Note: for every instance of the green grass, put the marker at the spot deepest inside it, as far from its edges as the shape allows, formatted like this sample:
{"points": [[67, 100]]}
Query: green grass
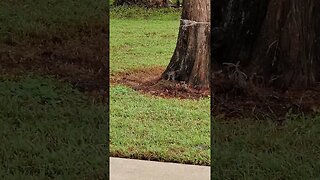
{"points": [[143, 126], [161, 129], [141, 43], [48, 130], [40, 19], [136, 43], [248, 149]]}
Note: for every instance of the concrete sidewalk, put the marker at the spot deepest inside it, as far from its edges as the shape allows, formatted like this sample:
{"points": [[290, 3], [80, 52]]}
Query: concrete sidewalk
{"points": [[129, 169]]}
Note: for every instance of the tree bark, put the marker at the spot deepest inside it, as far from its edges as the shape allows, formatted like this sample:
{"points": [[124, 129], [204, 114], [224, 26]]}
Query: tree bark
{"points": [[191, 59], [275, 40], [145, 3]]}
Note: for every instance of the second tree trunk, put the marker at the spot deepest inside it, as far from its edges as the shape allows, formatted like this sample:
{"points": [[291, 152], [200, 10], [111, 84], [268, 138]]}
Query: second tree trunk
{"points": [[275, 40]]}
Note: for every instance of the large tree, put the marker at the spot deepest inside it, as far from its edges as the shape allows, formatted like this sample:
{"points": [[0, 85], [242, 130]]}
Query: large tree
{"points": [[275, 41], [191, 59]]}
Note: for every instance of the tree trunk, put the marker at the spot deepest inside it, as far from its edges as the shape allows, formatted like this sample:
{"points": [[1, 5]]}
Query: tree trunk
{"points": [[276, 41], [145, 3], [191, 58]]}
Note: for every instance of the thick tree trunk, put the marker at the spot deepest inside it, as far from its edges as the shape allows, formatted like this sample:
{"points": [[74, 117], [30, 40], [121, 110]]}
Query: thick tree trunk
{"points": [[191, 58], [145, 3], [276, 41]]}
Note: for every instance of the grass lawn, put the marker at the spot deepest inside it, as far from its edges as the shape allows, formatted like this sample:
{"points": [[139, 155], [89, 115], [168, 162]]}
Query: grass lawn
{"points": [[252, 149], [141, 38], [36, 19], [48, 128], [143, 126]]}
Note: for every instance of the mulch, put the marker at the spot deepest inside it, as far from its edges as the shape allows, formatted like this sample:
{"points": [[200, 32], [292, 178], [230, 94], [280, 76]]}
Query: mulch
{"points": [[149, 81]]}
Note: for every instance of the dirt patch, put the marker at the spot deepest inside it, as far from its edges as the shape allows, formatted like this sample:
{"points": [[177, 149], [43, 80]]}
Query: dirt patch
{"points": [[232, 102], [81, 61], [149, 81]]}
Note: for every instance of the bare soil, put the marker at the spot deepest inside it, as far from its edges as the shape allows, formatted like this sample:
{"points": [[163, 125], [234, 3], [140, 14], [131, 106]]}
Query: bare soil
{"points": [[232, 102], [149, 81], [81, 61]]}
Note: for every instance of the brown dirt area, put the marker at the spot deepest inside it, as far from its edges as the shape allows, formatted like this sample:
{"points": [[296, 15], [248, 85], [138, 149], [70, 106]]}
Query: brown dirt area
{"points": [[149, 81], [232, 102], [81, 61]]}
